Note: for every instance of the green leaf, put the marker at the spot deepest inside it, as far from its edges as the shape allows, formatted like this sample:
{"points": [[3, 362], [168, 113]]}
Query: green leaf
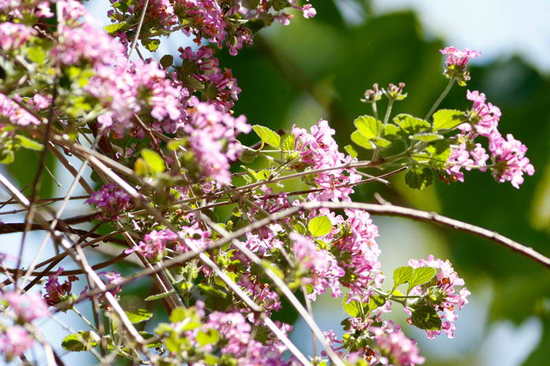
{"points": [[425, 317], [381, 142], [36, 54], [402, 275], [419, 178], [179, 314], [153, 160], [368, 126], [288, 142], [274, 268], [375, 301], [351, 151], [390, 130], [173, 145], [421, 276], [211, 336], [366, 143], [426, 136], [166, 61], [448, 119], [113, 28], [81, 341], [248, 156], [352, 308], [410, 124], [151, 44], [7, 157], [139, 315], [319, 226], [268, 136], [27, 143]]}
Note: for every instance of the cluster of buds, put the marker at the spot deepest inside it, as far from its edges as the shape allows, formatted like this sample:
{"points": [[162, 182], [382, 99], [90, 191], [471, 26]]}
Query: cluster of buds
{"points": [[372, 95], [392, 92], [395, 92]]}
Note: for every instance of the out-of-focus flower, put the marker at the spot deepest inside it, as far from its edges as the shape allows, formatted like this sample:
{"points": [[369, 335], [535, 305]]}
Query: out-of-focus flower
{"points": [[15, 341], [26, 306]]}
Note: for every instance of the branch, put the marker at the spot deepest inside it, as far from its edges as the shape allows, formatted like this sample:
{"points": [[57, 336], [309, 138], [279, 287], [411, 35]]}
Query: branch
{"points": [[392, 210]]}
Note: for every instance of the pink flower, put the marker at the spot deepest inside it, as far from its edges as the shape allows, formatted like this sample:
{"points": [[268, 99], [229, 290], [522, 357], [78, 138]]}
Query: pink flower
{"points": [[466, 157], [111, 199], [26, 306], [15, 114], [509, 158], [458, 57], [155, 243], [15, 341], [234, 328], [358, 254], [213, 139], [448, 296], [325, 272], [483, 116], [319, 150], [14, 35], [309, 11], [394, 345]]}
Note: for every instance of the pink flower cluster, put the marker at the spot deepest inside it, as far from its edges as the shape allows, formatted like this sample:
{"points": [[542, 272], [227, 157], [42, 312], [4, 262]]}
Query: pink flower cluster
{"points": [[156, 243], [325, 272], [319, 150], [507, 154], [218, 86], [359, 255], [394, 347], [14, 35], [111, 199], [212, 139], [240, 343], [509, 158], [450, 297], [16, 114], [358, 251]]}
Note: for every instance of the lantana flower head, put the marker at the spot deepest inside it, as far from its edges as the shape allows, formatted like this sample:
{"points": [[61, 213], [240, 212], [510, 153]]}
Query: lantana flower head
{"points": [[455, 63]]}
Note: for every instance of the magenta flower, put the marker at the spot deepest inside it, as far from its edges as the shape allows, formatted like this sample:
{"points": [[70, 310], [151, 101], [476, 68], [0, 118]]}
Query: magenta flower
{"points": [[155, 243], [57, 292], [234, 328], [458, 57], [509, 158], [111, 199]]}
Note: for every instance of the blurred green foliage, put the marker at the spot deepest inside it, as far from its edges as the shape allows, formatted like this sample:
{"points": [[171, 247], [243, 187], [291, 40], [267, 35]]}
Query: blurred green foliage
{"points": [[318, 69]]}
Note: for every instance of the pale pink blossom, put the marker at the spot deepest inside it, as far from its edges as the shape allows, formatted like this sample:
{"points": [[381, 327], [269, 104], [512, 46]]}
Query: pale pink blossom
{"points": [[458, 57]]}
